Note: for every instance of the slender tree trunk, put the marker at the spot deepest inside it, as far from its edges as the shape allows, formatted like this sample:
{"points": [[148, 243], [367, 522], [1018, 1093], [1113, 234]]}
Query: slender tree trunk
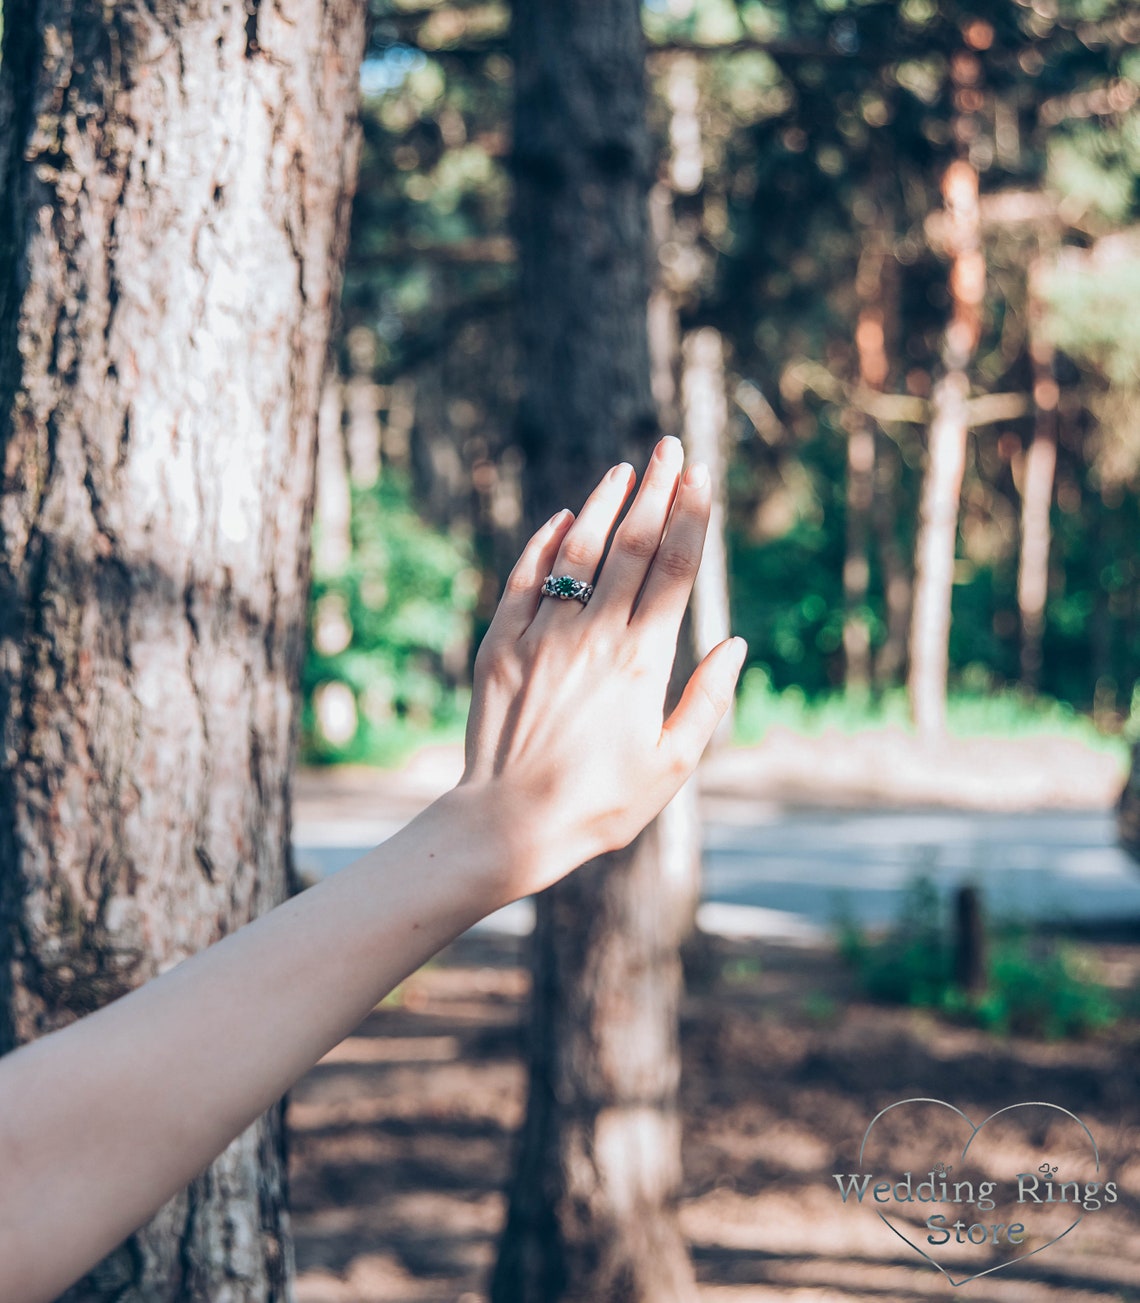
{"points": [[1128, 809], [890, 659], [365, 436], [870, 345], [687, 374], [856, 566], [175, 195], [662, 324], [1037, 495], [705, 409], [596, 1178], [678, 261], [946, 457], [333, 515]]}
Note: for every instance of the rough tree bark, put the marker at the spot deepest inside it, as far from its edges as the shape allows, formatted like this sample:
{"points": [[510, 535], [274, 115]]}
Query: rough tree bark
{"points": [[175, 194], [596, 1177]]}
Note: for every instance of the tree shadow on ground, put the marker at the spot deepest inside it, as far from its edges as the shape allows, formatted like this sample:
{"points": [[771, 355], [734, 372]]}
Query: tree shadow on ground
{"points": [[401, 1140]]}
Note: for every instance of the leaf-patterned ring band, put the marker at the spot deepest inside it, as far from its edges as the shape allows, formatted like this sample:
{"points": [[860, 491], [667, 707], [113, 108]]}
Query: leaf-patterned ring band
{"points": [[567, 588]]}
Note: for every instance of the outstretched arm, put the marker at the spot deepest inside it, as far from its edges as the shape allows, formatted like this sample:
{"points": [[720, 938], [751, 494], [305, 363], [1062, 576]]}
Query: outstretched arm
{"points": [[567, 756]]}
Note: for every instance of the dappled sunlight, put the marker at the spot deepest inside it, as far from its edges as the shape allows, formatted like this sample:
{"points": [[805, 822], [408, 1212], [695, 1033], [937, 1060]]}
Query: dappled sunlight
{"points": [[401, 1197]]}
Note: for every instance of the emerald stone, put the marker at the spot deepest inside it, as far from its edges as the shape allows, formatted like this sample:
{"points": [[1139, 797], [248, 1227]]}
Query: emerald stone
{"points": [[565, 586]]}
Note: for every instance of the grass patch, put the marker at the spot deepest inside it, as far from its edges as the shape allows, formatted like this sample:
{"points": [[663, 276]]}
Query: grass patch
{"points": [[970, 713], [1035, 985]]}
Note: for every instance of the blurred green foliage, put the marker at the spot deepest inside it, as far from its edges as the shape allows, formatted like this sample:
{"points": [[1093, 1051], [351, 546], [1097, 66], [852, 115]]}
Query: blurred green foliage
{"points": [[825, 127], [383, 629], [982, 712], [1035, 986]]}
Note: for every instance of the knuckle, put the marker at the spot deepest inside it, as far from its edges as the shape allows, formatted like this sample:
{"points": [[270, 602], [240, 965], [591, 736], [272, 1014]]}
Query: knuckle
{"points": [[487, 650], [640, 543], [579, 552], [506, 676], [519, 585], [495, 659], [677, 562]]}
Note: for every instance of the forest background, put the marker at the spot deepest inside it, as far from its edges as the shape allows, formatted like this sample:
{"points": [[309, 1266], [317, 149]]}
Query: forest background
{"points": [[811, 271], [891, 253]]}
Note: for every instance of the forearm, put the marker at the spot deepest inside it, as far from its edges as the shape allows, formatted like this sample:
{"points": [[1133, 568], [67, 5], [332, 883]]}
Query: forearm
{"points": [[102, 1122]]}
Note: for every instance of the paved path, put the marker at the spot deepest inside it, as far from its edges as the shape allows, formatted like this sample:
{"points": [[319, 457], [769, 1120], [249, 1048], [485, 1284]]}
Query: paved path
{"points": [[1047, 866], [784, 872]]}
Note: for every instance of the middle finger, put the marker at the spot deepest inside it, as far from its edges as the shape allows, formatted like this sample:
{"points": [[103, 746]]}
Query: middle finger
{"points": [[639, 535]]}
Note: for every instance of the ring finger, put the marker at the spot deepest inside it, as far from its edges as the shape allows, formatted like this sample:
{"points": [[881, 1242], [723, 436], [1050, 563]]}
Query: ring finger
{"points": [[580, 552]]}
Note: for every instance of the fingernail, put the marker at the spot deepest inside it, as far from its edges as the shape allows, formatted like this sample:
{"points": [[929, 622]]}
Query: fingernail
{"points": [[697, 476], [557, 518], [622, 471], [666, 445], [739, 649]]}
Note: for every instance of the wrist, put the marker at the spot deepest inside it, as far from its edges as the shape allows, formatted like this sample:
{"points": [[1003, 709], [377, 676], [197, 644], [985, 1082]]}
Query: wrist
{"points": [[511, 860]]}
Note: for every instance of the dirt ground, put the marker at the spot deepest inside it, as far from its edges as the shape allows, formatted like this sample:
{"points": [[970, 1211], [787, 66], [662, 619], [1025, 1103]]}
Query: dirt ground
{"points": [[401, 1138]]}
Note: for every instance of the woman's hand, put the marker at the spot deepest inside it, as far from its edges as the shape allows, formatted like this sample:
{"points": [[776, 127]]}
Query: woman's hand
{"points": [[567, 734], [567, 756]]}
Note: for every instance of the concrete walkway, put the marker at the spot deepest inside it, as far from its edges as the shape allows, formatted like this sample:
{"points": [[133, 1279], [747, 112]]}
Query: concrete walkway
{"points": [[777, 868]]}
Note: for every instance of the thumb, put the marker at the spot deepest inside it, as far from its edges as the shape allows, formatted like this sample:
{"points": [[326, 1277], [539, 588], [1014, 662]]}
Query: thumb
{"points": [[707, 695]]}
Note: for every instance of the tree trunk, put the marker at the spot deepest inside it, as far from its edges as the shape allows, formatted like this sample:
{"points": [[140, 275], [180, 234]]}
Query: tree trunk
{"points": [[332, 531], [856, 565], [596, 1178], [687, 375], [871, 348], [705, 410], [1037, 495], [946, 457], [176, 186], [890, 659], [1128, 808]]}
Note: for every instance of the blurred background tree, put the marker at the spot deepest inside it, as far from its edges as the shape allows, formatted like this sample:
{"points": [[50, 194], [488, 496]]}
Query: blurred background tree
{"points": [[893, 258], [812, 236], [884, 232]]}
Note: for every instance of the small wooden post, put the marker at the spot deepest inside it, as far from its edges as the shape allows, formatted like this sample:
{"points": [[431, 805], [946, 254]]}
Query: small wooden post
{"points": [[969, 941]]}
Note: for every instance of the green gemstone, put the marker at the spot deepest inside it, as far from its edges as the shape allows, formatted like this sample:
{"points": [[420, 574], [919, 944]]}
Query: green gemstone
{"points": [[564, 586]]}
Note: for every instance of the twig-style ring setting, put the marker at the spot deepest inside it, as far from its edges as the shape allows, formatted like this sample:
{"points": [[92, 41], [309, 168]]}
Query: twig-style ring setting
{"points": [[567, 588]]}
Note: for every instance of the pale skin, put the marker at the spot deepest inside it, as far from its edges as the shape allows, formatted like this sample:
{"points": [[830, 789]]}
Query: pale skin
{"points": [[568, 755]]}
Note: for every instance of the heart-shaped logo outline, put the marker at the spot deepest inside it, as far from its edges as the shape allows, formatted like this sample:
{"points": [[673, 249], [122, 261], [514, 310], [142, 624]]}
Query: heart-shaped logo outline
{"points": [[965, 1149]]}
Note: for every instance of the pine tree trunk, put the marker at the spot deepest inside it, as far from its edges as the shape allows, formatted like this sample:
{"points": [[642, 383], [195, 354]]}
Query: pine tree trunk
{"points": [[1128, 809], [934, 554], [890, 659], [1037, 496], [705, 409], [176, 184], [596, 1178], [870, 346], [859, 498], [946, 457], [687, 374]]}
